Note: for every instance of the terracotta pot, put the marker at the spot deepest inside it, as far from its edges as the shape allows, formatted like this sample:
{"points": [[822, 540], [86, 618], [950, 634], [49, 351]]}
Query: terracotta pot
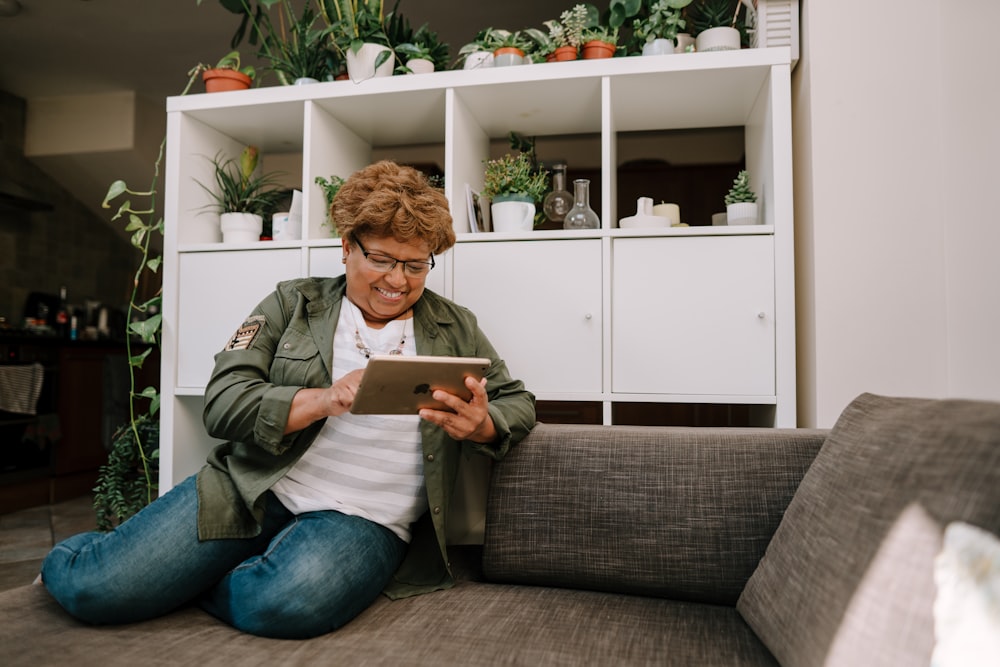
{"points": [[562, 53], [596, 49], [221, 80]]}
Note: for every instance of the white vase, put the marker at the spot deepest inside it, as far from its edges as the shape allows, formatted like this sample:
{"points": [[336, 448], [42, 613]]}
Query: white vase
{"points": [[718, 39], [513, 216], [241, 227], [304, 81], [684, 42], [361, 65], [420, 65], [658, 47], [742, 213]]}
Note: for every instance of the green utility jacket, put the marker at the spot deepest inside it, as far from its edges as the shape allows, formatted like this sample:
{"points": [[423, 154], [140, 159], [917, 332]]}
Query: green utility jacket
{"points": [[287, 344]]}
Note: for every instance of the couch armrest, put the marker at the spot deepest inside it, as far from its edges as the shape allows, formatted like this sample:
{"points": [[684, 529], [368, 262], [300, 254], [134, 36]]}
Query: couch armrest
{"points": [[682, 513]]}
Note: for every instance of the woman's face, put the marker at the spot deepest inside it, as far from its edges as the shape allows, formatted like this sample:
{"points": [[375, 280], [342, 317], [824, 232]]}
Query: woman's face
{"points": [[383, 296]]}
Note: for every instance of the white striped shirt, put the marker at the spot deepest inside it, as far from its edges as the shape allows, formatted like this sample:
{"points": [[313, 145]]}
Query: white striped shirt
{"points": [[362, 465]]}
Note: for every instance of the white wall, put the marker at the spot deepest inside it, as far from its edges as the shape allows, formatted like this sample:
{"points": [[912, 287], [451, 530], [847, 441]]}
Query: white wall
{"points": [[896, 149]]}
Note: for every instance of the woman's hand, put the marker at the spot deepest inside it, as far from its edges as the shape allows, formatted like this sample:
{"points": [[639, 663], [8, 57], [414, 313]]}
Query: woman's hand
{"points": [[470, 420], [310, 405]]}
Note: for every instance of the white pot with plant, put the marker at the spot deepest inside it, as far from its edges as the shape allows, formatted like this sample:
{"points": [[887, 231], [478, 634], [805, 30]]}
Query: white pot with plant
{"points": [[357, 30], [330, 187], [741, 202], [513, 185], [716, 24], [242, 198], [656, 33]]}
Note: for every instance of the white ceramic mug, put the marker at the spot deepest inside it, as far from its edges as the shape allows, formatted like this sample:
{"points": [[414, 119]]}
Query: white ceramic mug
{"points": [[513, 216]]}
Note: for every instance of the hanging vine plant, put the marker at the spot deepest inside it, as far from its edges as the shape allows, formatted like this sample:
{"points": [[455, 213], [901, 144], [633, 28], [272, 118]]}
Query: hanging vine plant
{"points": [[128, 481]]}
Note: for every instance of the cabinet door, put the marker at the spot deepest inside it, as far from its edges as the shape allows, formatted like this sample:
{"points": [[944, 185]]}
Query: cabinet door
{"points": [[693, 316], [539, 303], [220, 289]]}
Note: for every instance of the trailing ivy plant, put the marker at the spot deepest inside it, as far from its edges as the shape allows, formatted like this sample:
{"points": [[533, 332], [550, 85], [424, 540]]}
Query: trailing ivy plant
{"points": [[128, 482]]}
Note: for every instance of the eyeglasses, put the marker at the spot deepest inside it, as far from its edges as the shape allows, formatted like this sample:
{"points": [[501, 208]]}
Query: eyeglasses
{"points": [[384, 264]]}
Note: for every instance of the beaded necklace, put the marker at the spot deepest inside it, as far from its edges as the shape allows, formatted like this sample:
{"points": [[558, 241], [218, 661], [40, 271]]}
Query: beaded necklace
{"points": [[365, 349]]}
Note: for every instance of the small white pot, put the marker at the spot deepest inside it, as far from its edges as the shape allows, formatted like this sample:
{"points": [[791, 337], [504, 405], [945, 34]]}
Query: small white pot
{"points": [[420, 65], [743, 213], [718, 39], [361, 65], [507, 60], [478, 60], [513, 216], [241, 227], [658, 47]]}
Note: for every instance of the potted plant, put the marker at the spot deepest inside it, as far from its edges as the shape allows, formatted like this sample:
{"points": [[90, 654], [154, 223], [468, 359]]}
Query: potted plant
{"points": [[656, 32], [242, 198], [599, 42], [357, 30], [476, 53], [509, 47], [424, 52], [513, 185], [226, 75], [741, 202], [714, 24], [330, 187], [565, 34], [299, 53]]}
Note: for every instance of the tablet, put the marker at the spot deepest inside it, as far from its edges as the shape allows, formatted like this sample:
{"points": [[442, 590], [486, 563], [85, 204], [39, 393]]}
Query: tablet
{"points": [[402, 385]]}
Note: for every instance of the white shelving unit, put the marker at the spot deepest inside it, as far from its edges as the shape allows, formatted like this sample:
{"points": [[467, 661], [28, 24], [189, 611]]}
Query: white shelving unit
{"points": [[681, 315]]}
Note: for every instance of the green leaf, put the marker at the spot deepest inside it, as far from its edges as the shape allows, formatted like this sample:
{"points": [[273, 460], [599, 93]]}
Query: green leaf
{"points": [[116, 189], [147, 328], [154, 264], [138, 237], [136, 360], [135, 222]]}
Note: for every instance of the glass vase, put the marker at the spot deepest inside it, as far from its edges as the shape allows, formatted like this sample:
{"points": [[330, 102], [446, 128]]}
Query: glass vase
{"points": [[581, 216], [558, 202]]}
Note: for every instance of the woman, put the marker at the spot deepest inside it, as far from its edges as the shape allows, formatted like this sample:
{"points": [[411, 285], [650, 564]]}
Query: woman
{"points": [[307, 511]]}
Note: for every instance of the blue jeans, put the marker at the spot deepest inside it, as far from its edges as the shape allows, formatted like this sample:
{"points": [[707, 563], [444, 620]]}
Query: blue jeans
{"points": [[303, 576]]}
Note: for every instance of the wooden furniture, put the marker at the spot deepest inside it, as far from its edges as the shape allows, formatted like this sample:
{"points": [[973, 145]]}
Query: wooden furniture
{"points": [[55, 454], [608, 317]]}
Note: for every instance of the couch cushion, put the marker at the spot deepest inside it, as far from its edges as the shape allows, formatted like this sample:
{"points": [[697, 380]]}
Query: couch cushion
{"points": [[849, 577], [682, 513], [469, 625]]}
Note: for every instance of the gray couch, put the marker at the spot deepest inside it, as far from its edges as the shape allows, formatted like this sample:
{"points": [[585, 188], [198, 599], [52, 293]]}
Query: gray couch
{"points": [[648, 546]]}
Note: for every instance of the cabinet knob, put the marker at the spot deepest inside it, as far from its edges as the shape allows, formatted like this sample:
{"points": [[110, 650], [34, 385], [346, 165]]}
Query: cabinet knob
{"points": [[588, 316], [761, 315]]}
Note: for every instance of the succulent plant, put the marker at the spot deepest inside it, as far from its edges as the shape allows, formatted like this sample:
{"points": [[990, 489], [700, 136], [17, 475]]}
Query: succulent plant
{"points": [[741, 192]]}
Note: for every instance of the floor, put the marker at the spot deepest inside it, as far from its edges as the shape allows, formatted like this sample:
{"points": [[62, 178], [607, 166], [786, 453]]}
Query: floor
{"points": [[27, 535]]}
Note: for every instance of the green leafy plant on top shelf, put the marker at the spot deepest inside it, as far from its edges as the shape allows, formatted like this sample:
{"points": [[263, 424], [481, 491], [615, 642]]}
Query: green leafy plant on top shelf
{"points": [[425, 44], [296, 48], [237, 188], [740, 191], [499, 38], [229, 61], [356, 22], [663, 20], [600, 33], [128, 481], [704, 14]]}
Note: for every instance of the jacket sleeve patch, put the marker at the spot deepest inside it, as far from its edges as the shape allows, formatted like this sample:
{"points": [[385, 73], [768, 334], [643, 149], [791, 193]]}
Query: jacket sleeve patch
{"points": [[244, 337]]}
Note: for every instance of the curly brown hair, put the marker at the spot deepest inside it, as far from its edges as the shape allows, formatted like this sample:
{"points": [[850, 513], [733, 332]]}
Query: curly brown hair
{"points": [[388, 199]]}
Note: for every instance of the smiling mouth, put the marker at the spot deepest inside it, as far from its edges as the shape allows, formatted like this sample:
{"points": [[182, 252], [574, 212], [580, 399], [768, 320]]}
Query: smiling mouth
{"points": [[387, 294]]}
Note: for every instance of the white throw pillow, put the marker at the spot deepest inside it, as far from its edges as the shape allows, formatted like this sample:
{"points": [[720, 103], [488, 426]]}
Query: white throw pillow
{"points": [[967, 606]]}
